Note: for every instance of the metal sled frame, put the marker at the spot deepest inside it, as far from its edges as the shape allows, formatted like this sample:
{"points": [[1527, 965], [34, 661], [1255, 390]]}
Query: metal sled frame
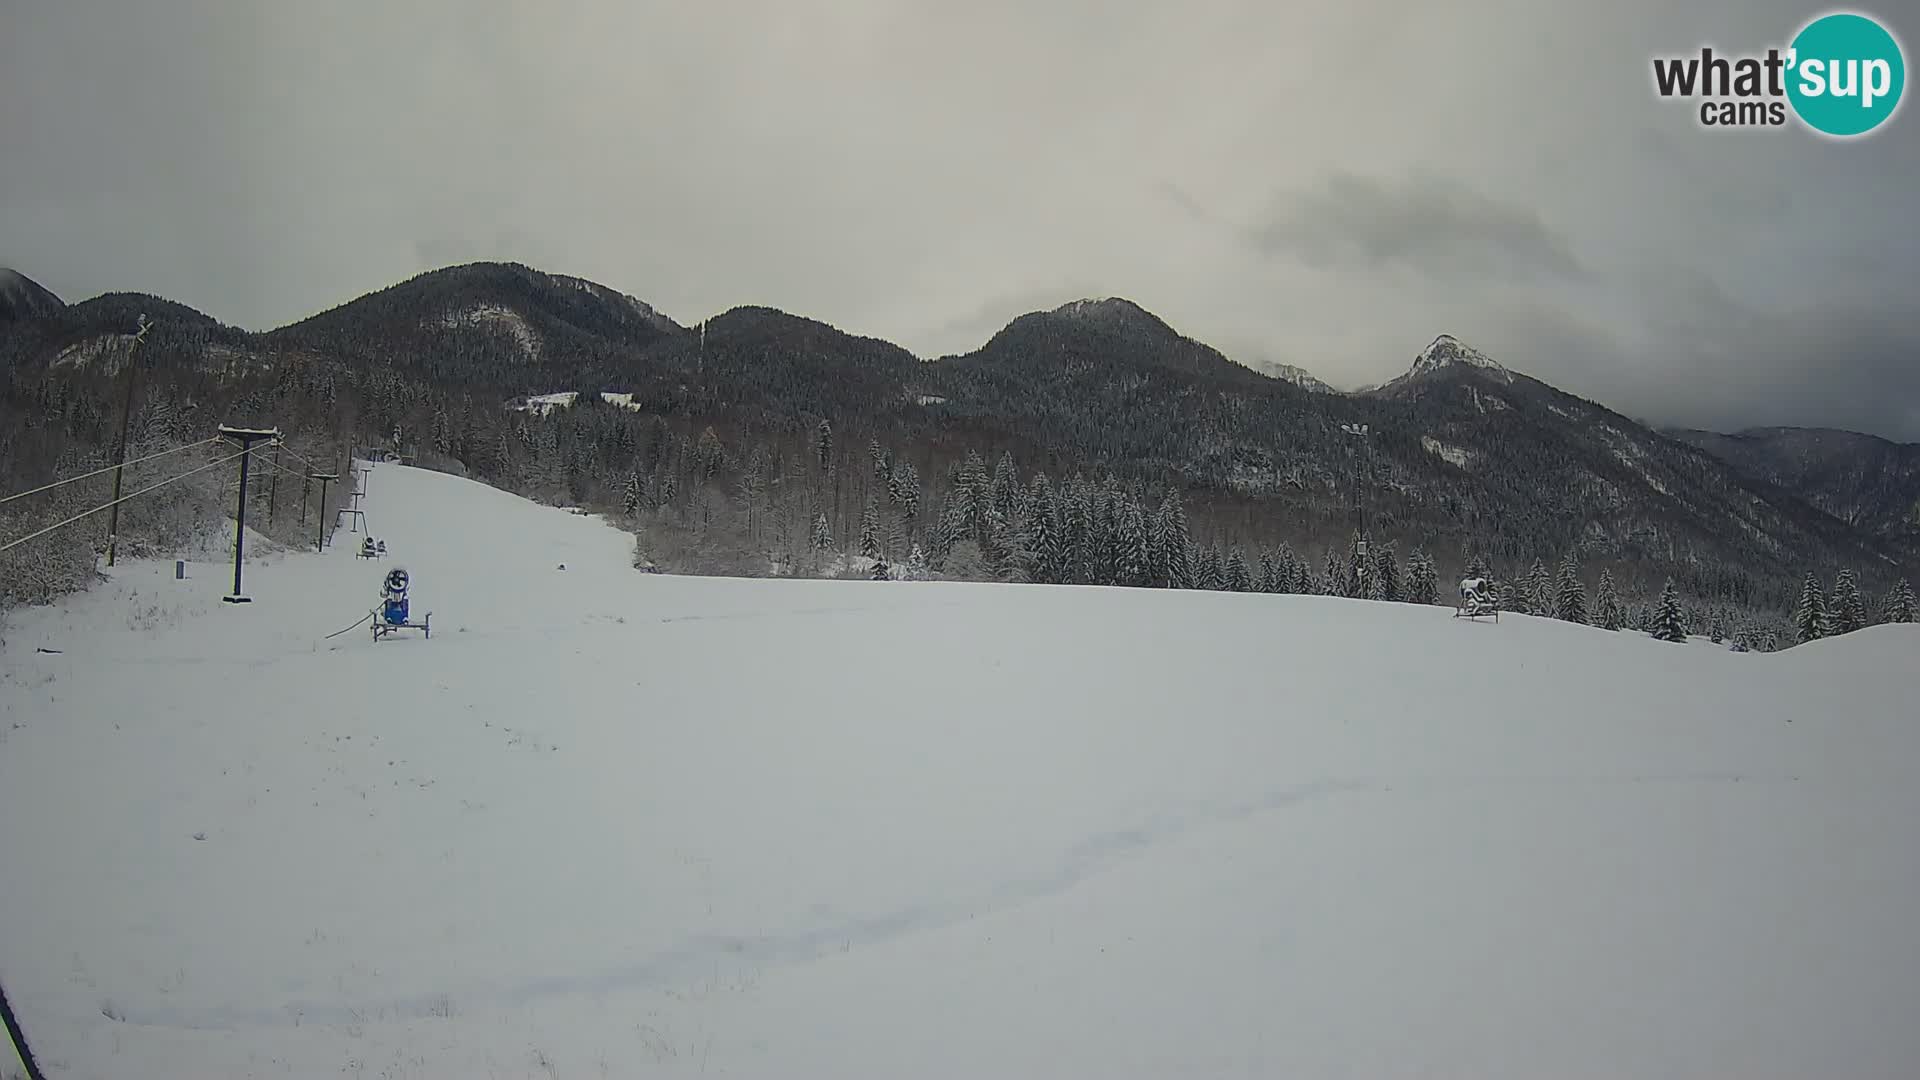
{"points": [[381, 628], [1463, 613]]}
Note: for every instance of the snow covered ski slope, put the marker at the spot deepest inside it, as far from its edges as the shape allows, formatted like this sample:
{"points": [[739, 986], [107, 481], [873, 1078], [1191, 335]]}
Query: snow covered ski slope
{"points": [[614, 824]]}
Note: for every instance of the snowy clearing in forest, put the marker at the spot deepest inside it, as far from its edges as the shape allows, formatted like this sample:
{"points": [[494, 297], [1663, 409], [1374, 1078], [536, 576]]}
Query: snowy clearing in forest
{"points": [[607, 823]]}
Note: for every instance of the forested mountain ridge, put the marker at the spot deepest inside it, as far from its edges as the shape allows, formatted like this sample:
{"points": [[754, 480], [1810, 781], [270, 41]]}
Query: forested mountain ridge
{"points": [[1466, 456], [491, 326], [21, 297], [1555, 464], [1866, 481]]}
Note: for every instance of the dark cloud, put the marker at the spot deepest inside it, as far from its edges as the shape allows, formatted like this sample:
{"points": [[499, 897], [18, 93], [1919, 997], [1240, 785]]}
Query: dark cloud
{"points": [[1428, 223], [1184, 202], [923, 171], [1830, 363], [1708, 360]]}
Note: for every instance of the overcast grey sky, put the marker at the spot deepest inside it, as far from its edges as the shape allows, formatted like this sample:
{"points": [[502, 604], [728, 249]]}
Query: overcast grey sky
{"points": [[1327, 183]]}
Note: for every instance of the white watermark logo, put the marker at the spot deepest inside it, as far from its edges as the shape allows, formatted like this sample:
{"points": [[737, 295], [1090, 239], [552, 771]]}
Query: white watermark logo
{"points": [[1840, 75]]}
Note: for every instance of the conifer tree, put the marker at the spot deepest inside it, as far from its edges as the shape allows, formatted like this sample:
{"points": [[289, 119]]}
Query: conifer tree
{"points": [[1536, 590], [1042, 533], [823, 445], [1076, 522], [1209, 570], [630, 496], [1423, 579], [1384, 582], [1477, 568], [1005, 556], [1507, 598], [1180, 566], [1668, 623], [1003, 491], [1607, 611], [916, 564], [1810, 618], [1106, 508], [822, 539], [1847, 612], [1269, 580], [870, 530], [1238, 579], [1170, 543], [1292, 572], [1334, 579], [903, 487], [1570, 605], [1899, 603], [881, 571], [1130, 542], [947, 531]]}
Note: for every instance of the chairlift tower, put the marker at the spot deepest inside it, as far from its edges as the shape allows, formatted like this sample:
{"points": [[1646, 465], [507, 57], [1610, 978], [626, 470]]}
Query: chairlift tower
{"points": [[321, 517], [246, 437], [356, 517], [1361, 432]]}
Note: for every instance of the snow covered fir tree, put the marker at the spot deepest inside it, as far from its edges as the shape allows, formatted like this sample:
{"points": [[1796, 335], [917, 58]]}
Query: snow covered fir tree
{"points": [[1668, 624]]}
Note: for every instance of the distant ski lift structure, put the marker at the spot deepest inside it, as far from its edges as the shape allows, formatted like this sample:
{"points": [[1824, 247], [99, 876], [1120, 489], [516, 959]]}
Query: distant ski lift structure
{"points": [[400, 455], [355, 517], [1360, 431]]}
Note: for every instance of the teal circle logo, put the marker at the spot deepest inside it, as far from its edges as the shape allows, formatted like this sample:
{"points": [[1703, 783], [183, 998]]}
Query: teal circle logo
{"points": [[1846, 74]]}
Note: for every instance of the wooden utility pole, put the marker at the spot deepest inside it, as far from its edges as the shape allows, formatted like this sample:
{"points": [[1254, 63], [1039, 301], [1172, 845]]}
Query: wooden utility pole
{"points": [[246, 437], [120, 453]]}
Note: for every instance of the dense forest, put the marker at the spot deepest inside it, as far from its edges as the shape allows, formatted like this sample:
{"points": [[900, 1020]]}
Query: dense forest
{"points": [[1088, 445]]}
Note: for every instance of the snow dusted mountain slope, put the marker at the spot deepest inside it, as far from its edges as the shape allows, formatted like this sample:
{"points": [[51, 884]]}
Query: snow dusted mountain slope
{"points": [[613, 824], [21, 297], [1298, 376], [1448, 353], [1862, 479]]}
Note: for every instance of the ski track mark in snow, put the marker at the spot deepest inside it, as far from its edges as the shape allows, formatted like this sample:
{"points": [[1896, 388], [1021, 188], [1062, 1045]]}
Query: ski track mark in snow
{"points": [[696, 955]]}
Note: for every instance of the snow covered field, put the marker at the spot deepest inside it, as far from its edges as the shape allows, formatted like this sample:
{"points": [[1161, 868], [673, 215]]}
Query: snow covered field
{"points": [[614, 824]]}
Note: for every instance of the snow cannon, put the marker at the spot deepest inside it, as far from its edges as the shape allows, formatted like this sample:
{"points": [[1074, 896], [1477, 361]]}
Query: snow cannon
{"points": [[1476, 599], [393, 596], [394, 607]]}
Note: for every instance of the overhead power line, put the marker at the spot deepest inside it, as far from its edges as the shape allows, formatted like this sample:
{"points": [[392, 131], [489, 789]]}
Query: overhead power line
{"points": [[295, 473], [107, 469], [288, 450], [11, 544]]}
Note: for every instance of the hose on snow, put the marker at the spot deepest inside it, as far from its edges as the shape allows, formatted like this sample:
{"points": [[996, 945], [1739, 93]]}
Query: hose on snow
{"points": [[363, 621]]}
